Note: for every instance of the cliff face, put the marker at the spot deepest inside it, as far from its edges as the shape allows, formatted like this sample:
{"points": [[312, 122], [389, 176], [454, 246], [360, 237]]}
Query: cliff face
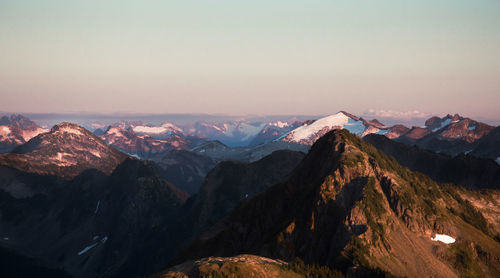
{"points": [[351, 207]]}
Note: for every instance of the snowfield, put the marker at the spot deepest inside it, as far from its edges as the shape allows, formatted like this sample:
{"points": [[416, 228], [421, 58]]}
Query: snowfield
{"points": [[443, 238], [84, 250], [339, 120]]}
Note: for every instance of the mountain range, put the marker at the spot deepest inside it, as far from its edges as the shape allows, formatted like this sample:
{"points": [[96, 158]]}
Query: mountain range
{"points": [[333, 197]]}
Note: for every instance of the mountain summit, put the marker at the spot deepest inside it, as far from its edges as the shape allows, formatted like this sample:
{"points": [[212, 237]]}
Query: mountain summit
{"points": [[351, 207], [65, 151], [309, 132]]}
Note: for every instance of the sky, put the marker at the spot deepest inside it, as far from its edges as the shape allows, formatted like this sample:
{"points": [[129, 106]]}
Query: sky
{"points": [[238, 57]]}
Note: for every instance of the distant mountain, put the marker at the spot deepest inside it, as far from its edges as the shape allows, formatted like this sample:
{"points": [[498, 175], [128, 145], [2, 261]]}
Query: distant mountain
{"points": [[489, 146], [163, 131], [353, 208], [185, 169], [65, 151], [273, 131], [16, 130], [145, 146], [452, 134], [308, 133], [232, 133], [220, 152], [93, 225], [466, 170]]}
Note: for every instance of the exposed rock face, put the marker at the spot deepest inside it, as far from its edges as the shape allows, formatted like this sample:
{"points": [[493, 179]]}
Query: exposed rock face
{"points": [[93, 225], [65, 151], [16, 130], [349, 206], [466, 170]]}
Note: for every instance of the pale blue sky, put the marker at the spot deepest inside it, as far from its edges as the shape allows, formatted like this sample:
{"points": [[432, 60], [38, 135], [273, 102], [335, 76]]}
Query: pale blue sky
{"points": [[250, 57]]}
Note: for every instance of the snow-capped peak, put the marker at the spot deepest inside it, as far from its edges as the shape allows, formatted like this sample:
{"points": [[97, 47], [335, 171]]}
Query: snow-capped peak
{"points": [[339, 120]]}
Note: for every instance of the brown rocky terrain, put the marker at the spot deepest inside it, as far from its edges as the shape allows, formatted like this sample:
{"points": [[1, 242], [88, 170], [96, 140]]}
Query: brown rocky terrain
{"points": [[351, 207]]}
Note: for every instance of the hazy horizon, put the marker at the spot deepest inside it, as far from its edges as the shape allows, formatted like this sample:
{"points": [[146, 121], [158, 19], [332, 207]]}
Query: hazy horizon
{"points": [[251, 58], [389, 118]]}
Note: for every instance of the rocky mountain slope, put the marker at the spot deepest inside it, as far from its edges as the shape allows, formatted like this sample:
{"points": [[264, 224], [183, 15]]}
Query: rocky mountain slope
{"points": [[489, 146], [65, 151], [93, 225], [466, 170], [185, 169], [230, 183], [16, 130], [353, 208]]}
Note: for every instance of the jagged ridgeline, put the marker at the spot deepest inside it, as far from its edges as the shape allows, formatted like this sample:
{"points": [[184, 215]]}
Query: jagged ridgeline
{"points": [[352, 208]]}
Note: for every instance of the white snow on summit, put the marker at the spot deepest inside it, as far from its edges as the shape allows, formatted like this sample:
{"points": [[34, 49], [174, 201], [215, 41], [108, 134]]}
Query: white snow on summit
{"points": [[339, 120]]}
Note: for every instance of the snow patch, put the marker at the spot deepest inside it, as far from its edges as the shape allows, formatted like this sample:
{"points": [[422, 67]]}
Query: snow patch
{"points": [[5, 238], [84, 250], [149, 129], [279, 124], [104, 239], [6, 130], [97, 154], [472, 127], [443, 124], [382, 131], [443, 238], [97, 207], [115, 131], [498, 160], [70, 130], [95, 237]]}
